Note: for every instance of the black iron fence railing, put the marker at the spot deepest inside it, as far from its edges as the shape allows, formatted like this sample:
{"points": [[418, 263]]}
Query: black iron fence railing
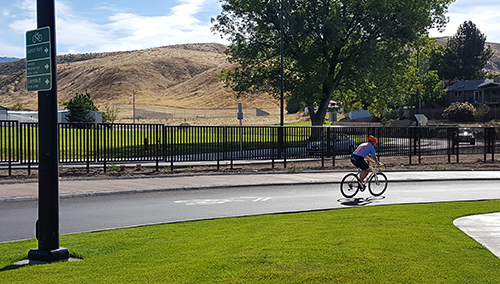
{"points": [[119, 143], [8, 142]]}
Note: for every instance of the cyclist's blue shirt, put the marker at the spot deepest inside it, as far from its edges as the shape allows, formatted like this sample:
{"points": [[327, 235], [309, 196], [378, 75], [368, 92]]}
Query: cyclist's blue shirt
{"points": [[365, 149]]}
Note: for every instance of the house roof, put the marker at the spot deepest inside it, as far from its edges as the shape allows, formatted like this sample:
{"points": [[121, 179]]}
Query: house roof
{"points": [[3, 108], [489, 84], [468, 85]]}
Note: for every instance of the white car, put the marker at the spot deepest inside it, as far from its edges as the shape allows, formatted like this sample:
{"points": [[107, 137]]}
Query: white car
{"points": [[466, 135], [341, 144]]}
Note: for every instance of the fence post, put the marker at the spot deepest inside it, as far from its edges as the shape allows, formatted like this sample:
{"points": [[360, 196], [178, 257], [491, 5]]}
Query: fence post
{"points": [[486, 142], [419, 130], [10, 136], [327, 150], [29, 150], [274, 151], [157, 145], [280, 141], [89, 131], [493, 142], [231, 155], [456, 143], [333, 150], [172, 149], [283, 136], [409, 132], [18, 141], [218, 145], [450, 143], [378, 145], [104, 148], [224, 142]]}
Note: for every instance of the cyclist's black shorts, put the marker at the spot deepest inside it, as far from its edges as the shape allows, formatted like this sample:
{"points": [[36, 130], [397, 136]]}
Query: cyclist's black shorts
{"points": [[359, 162]]}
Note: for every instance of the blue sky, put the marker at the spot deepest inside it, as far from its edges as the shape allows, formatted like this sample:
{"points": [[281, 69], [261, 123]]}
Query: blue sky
{"points": [[118, 25]]}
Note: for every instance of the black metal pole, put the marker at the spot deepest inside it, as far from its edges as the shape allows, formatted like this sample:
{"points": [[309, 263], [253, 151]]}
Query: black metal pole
{"points": [[48, 172], [282, 118]]}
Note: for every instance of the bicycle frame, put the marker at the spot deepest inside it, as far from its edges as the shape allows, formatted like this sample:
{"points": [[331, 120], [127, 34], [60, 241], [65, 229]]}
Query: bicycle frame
{"points": [[375, 181], [374, 170]]}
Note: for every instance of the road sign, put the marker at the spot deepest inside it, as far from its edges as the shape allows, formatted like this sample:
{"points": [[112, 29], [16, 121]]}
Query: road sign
{"points": [[38, 60]]}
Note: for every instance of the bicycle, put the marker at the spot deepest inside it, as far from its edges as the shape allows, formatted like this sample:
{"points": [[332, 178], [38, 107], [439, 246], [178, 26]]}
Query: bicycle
{"points": [[376, 180]]}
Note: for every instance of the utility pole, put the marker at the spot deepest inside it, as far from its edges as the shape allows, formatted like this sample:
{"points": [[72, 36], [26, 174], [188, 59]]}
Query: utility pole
{"points": [[47, 225], [133, 104]]}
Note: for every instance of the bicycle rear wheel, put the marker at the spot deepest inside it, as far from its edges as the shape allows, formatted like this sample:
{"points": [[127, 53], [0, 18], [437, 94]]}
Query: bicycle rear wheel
{"points": [[349, 185], [377, 184]]}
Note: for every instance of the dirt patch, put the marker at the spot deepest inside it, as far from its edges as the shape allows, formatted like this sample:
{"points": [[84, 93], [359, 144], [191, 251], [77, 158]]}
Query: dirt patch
{"points": [[466, 162]]}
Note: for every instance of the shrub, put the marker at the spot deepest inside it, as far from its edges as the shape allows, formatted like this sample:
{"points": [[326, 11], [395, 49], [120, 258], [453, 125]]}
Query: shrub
{"points": [[293, 105], [460, 112], [481, 112], [17, 106]]}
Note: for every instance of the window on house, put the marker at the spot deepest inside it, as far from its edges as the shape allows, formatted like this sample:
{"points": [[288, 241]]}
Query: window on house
{"points": [[478, 97], [458, 94]]}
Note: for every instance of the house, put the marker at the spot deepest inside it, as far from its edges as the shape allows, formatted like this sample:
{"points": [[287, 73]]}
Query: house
{"points": [[32, 116], [476, 92], [3, 113]]}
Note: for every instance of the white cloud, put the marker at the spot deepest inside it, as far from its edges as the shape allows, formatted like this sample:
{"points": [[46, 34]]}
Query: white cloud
{"points": [[24, 17], [129, 31], [485, 14], [103, 27]]}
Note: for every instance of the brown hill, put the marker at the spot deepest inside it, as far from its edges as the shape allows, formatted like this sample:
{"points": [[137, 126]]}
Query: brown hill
{"points": [[179, 76], [493, 65]]}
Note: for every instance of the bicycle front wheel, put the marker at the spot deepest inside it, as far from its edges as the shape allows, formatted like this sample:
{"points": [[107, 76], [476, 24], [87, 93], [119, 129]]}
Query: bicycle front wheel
{"points": [[349, 185], [377, 184]]}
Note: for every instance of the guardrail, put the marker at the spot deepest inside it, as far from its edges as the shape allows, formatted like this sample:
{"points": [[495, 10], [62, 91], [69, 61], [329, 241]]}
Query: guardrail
{"points": [[115, 143]]}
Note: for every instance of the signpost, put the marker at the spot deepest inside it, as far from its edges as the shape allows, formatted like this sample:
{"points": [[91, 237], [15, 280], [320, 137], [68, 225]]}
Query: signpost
{"points": [[38, 60], [41, 76]]}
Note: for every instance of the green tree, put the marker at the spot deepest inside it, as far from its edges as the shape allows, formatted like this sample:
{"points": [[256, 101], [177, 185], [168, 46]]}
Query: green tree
{"points": [[402, 79], [465, 55], [433, 92], [325, 42], [110, 114], [79, 108]]}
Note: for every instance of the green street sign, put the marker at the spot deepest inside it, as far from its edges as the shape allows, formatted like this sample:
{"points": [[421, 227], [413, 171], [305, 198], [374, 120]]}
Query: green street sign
{"points": [[38, 60], [38, 67]]}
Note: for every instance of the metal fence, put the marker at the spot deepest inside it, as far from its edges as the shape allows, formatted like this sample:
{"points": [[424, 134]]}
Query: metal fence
{"points": [[118, 143]]}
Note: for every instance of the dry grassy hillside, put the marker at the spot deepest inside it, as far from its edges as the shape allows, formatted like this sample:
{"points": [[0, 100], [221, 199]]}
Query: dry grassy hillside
{"points": [[180, 76], [493, 65], [176, 82]]}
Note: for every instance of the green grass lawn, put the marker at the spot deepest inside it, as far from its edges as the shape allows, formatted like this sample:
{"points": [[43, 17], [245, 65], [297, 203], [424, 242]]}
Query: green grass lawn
{"points": [[377, 244]]}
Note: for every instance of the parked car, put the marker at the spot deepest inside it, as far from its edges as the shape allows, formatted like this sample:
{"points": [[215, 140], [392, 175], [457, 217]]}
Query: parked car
{"points": [[466, 135], [340, 143]]}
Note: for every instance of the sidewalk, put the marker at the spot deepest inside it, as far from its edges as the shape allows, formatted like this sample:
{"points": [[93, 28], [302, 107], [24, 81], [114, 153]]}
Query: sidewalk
{"points": [[484, 228]]}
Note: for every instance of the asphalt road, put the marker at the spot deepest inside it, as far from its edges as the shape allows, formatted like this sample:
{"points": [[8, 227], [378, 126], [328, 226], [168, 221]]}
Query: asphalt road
{"points": [[94, 213]]}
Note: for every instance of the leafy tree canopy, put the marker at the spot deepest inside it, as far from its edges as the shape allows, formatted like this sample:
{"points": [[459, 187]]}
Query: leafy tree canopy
{"points": [[325, 42], [465, 55], [79, 108]]}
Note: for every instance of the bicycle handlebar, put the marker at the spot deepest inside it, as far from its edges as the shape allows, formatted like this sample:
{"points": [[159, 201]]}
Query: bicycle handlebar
{"points": [[382, 166]]}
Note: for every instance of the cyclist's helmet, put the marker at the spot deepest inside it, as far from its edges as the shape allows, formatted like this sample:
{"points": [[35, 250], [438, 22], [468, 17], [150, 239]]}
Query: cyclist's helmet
{"points": [[371, 138]]}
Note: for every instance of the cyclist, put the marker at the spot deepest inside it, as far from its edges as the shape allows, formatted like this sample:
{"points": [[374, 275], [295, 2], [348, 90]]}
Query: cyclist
{"points": [[365, 151]]}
